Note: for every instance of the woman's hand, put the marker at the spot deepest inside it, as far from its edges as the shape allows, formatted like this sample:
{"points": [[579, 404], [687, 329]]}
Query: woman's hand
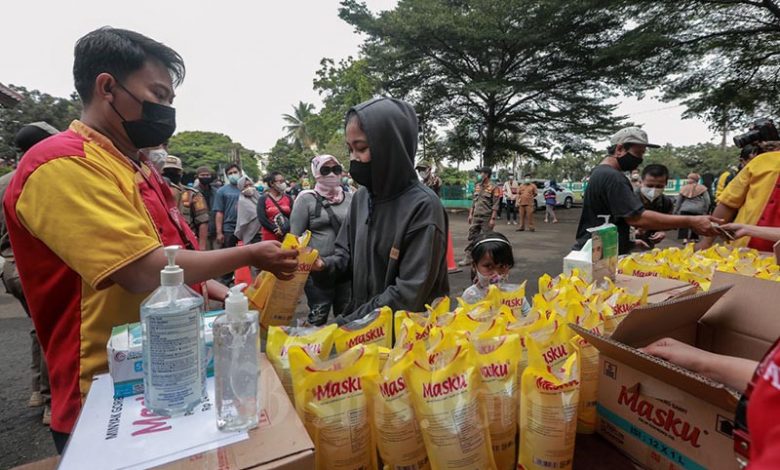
{"points": [[678, 353]]}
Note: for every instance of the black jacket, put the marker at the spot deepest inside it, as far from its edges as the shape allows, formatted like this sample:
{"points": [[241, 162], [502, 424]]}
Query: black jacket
{"points": [[394, 240]]}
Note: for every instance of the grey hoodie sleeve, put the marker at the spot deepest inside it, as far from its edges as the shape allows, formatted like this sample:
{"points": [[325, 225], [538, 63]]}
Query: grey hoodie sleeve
{"points": [[418, 272]]}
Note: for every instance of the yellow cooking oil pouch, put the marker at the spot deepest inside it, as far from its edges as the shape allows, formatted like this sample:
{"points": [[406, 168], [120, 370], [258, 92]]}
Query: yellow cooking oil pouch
{"points": [[509, 295], [623, 301], [276, 299], [419, 318], [452, 418], [498, 360], [589, 373], [411, 332], [318, 341], [397, 433], [376, 327], [330, 398], [548, 409]]}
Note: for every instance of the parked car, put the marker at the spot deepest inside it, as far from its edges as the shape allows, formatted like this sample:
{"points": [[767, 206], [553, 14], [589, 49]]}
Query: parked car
{"points": [[563, 197]]}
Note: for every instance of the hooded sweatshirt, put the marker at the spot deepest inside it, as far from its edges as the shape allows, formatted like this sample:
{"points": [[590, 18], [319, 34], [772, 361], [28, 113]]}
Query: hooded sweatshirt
{"points": [[394, 240]]}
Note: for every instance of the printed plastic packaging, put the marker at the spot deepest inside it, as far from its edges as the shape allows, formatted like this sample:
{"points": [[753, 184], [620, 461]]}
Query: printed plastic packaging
{"points": [[376, 327], [331, 401], [316, 340], [453, 421]]}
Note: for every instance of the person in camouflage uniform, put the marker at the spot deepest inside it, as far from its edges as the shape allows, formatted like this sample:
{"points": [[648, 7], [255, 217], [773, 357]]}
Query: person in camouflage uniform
{"points": [[484, 209], [191, 202]]}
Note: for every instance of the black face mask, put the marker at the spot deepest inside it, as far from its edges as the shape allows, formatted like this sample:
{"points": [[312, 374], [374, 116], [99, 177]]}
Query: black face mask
{"points": [[205, 181], [361, 173], [156, 126], [629, 162], [173, 176]]}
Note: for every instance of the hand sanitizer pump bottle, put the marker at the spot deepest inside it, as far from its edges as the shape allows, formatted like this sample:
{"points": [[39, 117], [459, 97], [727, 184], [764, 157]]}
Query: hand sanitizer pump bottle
{"points": [[173, 344], [236, 370]]}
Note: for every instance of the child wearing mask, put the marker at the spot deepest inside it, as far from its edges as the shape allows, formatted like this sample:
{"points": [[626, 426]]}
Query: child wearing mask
{"points": [[492, 258]]}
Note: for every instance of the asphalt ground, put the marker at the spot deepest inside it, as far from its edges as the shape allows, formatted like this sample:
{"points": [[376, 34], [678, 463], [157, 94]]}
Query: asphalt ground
{"points": [[24, 439]]}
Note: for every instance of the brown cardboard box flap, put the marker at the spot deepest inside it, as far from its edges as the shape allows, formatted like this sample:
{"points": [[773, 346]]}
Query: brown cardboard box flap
{"points": [[745, 322], [651, 322], [279, 442], [690, 382]]}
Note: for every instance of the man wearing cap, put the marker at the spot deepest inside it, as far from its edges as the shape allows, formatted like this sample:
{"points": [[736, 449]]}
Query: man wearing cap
{"points": [[610, 193], [483, 212], [191, 203], [425, 172]]}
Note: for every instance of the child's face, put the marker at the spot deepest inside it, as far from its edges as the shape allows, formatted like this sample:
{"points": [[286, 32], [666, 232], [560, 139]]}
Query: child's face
{"points": [[487, 267], [357, 142]]}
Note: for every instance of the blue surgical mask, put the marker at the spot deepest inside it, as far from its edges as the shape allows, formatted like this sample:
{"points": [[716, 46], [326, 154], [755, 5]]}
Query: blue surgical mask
{"points": [[234, 179]]}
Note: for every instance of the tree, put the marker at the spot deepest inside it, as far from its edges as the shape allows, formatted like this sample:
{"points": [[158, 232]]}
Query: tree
{"points": [[212, 149], [288, 159], [297, 126], [569, 166], [36, 106], [341, 86], [722, 57], [514, 76], [699, 158]]}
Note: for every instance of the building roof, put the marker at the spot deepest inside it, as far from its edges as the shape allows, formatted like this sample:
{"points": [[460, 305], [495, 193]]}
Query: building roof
{"points": [[8, 97]]}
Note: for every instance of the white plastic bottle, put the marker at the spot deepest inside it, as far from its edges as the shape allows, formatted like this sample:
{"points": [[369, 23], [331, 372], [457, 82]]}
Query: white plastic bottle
{"points": [[236, 372], [174, 345]]}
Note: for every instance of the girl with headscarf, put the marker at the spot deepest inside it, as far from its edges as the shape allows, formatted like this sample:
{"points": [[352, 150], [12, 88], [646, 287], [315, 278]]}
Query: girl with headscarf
{"points": [[323, 211], [692, 200], [247, 225]]}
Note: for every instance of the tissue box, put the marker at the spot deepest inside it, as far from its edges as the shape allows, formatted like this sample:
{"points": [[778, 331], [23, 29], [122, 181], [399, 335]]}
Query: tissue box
{"points": [[126, 361], [598, 259]]}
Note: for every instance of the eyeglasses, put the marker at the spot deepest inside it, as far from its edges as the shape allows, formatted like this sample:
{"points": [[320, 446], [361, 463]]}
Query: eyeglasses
{"points": [[336, 170]]}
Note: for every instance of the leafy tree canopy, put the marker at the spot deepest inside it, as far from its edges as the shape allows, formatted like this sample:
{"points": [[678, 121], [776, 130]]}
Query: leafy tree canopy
{"points": [[721, 57], [36, 106], [511, 76], [212, 149]]}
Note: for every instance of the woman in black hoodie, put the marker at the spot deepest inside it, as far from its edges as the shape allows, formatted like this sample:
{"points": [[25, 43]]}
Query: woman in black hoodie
{"points": [[394, 241]]}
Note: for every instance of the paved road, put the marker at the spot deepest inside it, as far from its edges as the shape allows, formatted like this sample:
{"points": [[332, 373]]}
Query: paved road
{"points": [[23, 438]]}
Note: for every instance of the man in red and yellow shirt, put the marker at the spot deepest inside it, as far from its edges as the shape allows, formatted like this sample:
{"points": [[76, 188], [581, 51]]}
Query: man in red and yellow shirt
{"points": [[88, 214], [752, 198]]}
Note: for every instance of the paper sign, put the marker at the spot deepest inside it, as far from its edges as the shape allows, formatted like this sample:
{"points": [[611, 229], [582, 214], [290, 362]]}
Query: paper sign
{"points": [[122, 434]]}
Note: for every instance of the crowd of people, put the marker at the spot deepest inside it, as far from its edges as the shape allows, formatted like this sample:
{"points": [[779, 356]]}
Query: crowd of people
{"points": [[86, 263]]}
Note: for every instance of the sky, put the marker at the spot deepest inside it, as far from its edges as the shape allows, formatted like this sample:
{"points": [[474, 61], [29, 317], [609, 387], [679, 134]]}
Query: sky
{"points": [[248, 62]]}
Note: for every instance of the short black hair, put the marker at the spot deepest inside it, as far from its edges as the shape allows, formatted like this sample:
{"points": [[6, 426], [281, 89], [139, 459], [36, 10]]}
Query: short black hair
{"points": [[119, 52], [500, 251], [612, 148], [655, 170], [527, 174], [270, 177], [231, 166], [747, 152]]}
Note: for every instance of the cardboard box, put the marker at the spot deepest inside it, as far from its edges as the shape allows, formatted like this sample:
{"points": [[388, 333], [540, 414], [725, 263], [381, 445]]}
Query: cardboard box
{"points": [[125, 355], [280, 441], [664, 416], [658, 289]]}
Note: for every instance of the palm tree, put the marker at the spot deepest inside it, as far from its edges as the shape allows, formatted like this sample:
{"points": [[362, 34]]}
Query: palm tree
{"points": [[297, 133]]}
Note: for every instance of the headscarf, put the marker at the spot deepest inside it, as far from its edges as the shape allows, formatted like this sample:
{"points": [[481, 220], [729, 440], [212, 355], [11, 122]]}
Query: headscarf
{"points": [[247, 224], [328, 186], [694, 189]]}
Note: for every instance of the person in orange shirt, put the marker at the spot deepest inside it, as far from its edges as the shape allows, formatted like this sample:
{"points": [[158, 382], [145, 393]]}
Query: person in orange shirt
{"points": [[90, 248], [525, 199]]}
